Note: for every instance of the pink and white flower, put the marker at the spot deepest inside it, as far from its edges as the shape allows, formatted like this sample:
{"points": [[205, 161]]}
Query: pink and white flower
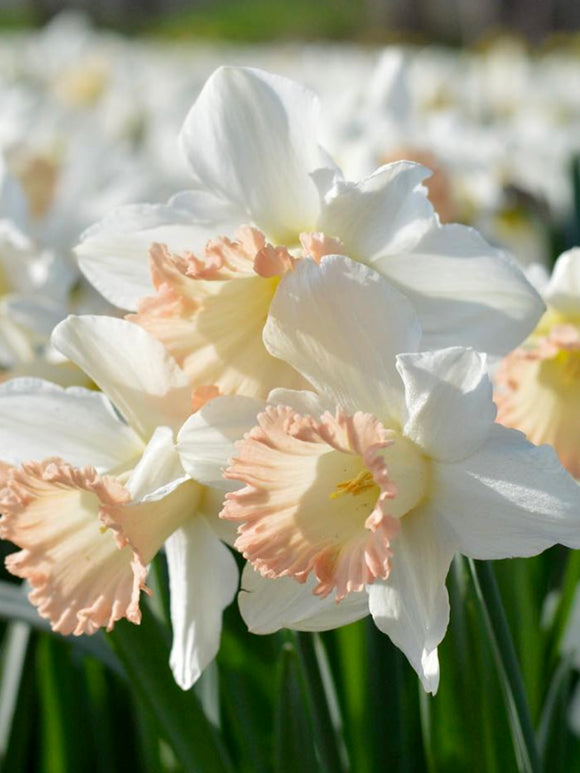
{"points": [[106, 493], [250, 141], [357, 495]]}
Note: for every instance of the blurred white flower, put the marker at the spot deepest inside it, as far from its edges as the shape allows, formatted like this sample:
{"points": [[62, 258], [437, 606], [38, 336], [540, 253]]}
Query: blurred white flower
{"points": [[538, 385]]}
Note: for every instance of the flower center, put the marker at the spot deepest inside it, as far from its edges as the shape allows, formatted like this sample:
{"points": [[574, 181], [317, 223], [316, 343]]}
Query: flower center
{"points": [[361, 482], [538, 387], [38, 176], [323, 496]]}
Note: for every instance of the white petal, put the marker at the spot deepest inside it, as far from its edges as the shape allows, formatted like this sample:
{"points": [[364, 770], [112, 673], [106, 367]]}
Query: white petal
{"points": [[203, 579], [159, 470], [206, 442], [384, 214], [340, 324], [132, 368], [114, 253], [563, 290], [449, 401], [304, 402], [268, 605], [250, 137], [412, 606], [40, 419], [509, 499], [464, 291]]}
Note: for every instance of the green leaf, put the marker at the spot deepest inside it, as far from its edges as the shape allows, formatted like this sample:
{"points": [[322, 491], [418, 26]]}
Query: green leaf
{"points": [[15, 647], [15, 606], [352, 665], [294, 750], [553, 729], [565, 602], [394, 715], [144, 652], [65, 741], [328, 738], [507, 663], [22, 749]]}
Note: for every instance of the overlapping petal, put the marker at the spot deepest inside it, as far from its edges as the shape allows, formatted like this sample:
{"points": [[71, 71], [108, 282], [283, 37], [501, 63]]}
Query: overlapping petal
{"points": [[206, 442], [464, 291], [251, 137], [384, 214], [341, 325], [448, 395], [131, 367], [268, 605], [40, 419], [113, 253]]}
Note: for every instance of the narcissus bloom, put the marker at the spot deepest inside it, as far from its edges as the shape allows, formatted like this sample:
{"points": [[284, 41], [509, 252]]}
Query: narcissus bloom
{"points": [[358, 495], [266, 195], [105, 493], [538, 385]]}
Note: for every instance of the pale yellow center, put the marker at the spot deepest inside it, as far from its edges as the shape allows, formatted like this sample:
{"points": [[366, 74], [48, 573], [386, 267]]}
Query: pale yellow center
{"points": [[84, 84], [407, 469], [38, 175], [4, 283], [563, 368], [551, 318], [569, 365]]}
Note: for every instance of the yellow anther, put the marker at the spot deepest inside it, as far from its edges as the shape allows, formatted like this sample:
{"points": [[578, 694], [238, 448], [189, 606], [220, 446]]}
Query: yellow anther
{"points": [[363, 481]]}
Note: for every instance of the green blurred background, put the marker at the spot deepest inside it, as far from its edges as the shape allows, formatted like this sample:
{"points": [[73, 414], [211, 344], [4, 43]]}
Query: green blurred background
{"points": [[456, 22]]}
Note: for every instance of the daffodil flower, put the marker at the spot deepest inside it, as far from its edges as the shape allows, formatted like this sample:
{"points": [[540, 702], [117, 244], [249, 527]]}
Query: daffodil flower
{"points": [[538, 384], [266, 196], [358, 494], [103, 493]]}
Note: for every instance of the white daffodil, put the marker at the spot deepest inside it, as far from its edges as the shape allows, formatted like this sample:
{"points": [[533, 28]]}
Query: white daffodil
{"points": [[538, 384], [267, 195], [33, 285], [365, 489], [104, 494]]}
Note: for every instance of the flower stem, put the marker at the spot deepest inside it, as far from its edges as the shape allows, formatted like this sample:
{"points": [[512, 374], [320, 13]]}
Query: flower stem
{"points": [[327, 742], [507, 663]]}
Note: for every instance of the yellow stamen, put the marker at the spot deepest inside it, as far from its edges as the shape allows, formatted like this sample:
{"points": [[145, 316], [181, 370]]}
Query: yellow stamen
{"points": [[569, 362], [363, 481]]}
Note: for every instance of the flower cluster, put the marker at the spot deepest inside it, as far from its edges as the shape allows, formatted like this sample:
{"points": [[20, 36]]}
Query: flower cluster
{"points": [[301, 375]]}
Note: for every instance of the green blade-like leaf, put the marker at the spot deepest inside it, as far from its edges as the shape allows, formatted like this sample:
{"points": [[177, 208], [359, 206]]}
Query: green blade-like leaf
{"points": [[15, 606], [66, 741], [294, 749], [328, 737], [553, 729], [22, 748], [144, 652], [15, 646], [508, 666]]}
